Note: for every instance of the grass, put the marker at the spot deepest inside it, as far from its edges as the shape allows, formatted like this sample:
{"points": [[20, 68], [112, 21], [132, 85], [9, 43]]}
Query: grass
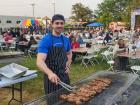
{"points": [[34, 88]]}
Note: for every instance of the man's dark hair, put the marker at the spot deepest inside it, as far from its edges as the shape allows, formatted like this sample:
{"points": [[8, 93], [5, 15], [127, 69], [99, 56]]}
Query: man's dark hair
{"points": [[58, 17]]}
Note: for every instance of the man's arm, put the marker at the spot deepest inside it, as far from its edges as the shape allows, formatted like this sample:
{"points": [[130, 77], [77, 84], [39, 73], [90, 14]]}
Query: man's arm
{"points": [[68, 64], [69, 55], [43, 67]]}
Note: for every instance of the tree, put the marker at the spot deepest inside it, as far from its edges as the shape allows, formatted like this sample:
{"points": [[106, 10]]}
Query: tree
{"points": [[116, 10], [134, 4], [80, 13]]}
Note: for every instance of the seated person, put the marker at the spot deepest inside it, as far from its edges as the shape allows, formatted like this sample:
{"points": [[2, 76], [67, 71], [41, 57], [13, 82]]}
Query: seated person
{"points": [[23, 43], [107, 38], [121, 63], [8, 38], [32, 42], [80, 40], [74, 43]]}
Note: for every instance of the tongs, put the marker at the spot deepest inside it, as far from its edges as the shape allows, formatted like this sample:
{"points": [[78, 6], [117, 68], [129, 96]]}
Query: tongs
{"points": [[67, 87]]}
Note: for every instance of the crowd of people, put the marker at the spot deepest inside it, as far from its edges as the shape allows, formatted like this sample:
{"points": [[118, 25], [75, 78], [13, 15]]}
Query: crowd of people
{"points": [[24, 38]]}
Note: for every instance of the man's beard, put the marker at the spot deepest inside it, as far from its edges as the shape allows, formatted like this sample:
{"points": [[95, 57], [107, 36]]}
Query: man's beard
{"points": [[59, 30]]}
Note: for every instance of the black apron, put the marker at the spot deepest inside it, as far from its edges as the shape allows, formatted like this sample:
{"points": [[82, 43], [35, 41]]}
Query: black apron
{"points": [[121, 63], [56, 61]]}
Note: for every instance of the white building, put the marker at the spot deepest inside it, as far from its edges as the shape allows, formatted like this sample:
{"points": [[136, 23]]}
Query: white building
{"points": [[12, 21]]}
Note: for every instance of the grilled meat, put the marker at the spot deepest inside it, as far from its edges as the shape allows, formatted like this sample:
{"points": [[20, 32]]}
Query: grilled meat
{"points": [[87, 91]]}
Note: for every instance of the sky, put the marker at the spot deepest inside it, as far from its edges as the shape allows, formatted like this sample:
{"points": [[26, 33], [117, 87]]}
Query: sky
{"points": [[42, 7]]}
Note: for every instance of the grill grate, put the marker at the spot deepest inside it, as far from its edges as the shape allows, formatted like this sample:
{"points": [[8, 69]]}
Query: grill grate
{"points": [[120, 83]]}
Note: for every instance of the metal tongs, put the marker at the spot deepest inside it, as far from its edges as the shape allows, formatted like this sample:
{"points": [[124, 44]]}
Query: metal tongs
{"points": [[67, 87]]}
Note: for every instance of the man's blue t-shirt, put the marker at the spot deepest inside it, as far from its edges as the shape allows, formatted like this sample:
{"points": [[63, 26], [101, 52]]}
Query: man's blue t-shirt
{"points": [[46, 43]]}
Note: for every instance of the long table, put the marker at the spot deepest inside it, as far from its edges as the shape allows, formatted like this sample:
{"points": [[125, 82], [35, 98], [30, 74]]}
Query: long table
{"points": [[80, 50], [84, 49], [5, 82], [10, 53], [130, 54]]}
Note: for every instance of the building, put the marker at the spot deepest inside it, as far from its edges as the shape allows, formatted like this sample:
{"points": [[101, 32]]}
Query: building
{"points": [[12, 21], [135, 19]]}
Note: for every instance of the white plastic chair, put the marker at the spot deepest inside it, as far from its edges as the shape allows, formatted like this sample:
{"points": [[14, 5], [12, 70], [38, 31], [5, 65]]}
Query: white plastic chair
{"points": [[94, 47], [32, 50], [12, 46], [100, 42], [89, 58], [136, 70], [111, 63], [82, 45], [1, 45], [106, 55]]}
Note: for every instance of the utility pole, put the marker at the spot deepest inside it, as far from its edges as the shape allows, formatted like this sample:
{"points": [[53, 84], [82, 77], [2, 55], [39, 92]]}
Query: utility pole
{"points": [[53, 7], [33, 9]]}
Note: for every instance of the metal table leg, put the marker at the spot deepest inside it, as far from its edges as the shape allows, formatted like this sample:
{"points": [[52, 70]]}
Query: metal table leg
{"points": [[13, 94]]}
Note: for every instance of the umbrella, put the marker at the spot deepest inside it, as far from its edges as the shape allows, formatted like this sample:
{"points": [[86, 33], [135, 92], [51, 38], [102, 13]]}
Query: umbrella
{"points": [[27, 22], [30, 22], [96, 24]]}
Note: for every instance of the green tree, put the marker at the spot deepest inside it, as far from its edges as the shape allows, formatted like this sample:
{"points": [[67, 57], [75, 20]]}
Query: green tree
{"points": [[116, 10], [81, 13], [134, 4]]}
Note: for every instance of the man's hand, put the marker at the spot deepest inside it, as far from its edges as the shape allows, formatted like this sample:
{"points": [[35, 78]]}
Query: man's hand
{"points": [[53, 78], [67, 70]]}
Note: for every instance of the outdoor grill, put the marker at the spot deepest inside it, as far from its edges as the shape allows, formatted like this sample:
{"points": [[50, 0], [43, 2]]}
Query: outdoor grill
{"points": [[121, 82]]}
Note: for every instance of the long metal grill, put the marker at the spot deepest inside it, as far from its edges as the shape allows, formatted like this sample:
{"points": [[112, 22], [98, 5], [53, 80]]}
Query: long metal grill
{"points": [[120, 83]]}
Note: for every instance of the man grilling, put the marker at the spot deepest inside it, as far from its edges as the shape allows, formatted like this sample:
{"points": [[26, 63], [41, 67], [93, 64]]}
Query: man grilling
{"points": [[54, 56]]}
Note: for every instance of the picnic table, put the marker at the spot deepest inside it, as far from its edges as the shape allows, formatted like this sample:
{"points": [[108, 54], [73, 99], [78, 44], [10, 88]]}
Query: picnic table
{"points": [[102, 46], [85, 49], [80, 50], [10, 53], [130, 54], [5, 82]]}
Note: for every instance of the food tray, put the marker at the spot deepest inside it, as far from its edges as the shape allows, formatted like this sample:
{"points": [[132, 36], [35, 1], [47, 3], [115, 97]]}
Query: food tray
{"points": [[13, 71]]}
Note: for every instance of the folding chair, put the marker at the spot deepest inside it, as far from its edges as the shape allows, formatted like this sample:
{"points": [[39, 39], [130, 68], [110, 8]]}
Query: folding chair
{"points": [[2, 46], [106, 55], [94, 47], [89, 58], [111, 62], [12, 46], [136, 70], [100, 42], [82, 45], [32, 50]]}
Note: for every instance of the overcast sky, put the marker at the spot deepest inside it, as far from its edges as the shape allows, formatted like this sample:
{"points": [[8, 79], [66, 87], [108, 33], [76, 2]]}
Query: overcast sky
{"points": [[43, 7]]}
